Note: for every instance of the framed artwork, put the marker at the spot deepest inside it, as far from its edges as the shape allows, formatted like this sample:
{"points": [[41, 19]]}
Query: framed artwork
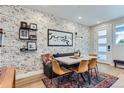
{"points": [[23, 34], [59, 38], [1, 37], [33, 26], [32, 35], [31, 45], [24, 25]]}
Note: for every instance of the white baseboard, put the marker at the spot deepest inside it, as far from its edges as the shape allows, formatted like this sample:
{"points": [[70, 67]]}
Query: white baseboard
{"points": [[20, 76]]}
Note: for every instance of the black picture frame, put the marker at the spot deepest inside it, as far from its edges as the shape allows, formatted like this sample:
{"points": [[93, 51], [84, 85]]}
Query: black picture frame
{"points": [[31, 46], [23, 25], [33, 26], [1, 37], [60, 32], [32, 35], [23, 34]]}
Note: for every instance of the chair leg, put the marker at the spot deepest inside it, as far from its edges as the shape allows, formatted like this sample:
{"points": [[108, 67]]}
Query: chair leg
{"points": [[78, 77], [59, 80], [69, 75], [89, 77], [91, 73], [96, 73], [83, 77], [78, 80]]}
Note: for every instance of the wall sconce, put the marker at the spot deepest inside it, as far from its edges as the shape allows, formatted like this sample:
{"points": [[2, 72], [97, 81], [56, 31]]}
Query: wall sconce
{"points": [[76, 37], [1, 37]]}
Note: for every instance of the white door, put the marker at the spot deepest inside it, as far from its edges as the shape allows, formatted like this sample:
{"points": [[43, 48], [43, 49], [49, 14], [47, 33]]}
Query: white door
{"points": [[104, 45]]}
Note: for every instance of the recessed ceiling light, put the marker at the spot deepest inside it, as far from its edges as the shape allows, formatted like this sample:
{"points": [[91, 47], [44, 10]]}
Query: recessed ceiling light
{"points": [[98, 22], [80, 17]]}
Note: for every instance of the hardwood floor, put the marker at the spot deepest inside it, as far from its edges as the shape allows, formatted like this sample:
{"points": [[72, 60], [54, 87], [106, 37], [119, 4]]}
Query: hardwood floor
{"points": [[31, 82], [110, 69], [36, 82]]}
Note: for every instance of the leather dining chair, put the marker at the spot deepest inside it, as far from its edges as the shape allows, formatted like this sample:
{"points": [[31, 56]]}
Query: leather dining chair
{"points": [[81, 69], [93, 65], [60, 71]]}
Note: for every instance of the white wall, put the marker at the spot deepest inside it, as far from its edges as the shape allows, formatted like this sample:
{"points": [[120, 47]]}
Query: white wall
{"points": [[116, 50]]}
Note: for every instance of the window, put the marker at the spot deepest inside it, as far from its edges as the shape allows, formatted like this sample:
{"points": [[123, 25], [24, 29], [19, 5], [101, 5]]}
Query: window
{"points": [[102, 49], [102, 41], [102, 56], [119, 34], [102, 45], [102, 33]]}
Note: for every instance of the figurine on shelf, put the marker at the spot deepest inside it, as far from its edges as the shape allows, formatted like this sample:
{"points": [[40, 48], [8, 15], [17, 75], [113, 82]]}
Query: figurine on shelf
{"points": [[23, 25], [23, 49], [77, 54]]}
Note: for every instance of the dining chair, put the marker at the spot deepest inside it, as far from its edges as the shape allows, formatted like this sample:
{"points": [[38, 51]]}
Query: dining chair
{"points": [[60, 71], [93, 65], [95, 55], [81, 69]]}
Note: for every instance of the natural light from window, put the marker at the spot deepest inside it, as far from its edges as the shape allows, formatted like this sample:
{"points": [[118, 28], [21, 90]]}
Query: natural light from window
{"points": [[119, 34]]}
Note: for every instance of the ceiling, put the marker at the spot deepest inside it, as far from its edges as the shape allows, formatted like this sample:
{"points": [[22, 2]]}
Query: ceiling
{"points": [[85, 14]]}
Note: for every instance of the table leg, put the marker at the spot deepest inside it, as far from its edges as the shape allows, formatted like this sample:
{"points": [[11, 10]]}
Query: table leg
{"points": [[115, 64]]}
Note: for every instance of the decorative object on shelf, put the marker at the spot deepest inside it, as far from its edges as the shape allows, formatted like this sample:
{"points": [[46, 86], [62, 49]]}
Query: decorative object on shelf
{"points": [[24, 25], [24, 34], [23, 49], [28, 32], [59, 38], [1, 37], [31, 45], [77, 53], [33, 26], [32, 35]]}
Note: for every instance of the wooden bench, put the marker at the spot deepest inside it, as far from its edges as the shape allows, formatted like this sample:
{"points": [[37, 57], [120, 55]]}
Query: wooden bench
{"points": [[121, 62], [7, 77]]}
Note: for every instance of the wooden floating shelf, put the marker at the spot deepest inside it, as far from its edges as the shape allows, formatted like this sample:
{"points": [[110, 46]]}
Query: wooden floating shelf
{"points": [[28, 39], [29, 29]]}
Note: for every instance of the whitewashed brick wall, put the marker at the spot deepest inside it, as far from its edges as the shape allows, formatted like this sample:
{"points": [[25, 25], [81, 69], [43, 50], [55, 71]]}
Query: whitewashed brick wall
{"points": [[10, 17]]}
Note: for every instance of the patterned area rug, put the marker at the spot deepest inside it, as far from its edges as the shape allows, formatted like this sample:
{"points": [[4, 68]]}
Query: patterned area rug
{"points": [[103, 81]]}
